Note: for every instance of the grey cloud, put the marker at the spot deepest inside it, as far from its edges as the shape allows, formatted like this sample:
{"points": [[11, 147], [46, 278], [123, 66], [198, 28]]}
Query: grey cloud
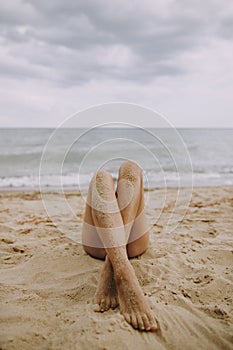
{"points": [[17, 12], [226, 27], [38, 30]]}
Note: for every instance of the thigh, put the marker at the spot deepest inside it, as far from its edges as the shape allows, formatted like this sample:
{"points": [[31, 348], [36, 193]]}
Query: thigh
{"points": [[92, 244], [139, 236]]}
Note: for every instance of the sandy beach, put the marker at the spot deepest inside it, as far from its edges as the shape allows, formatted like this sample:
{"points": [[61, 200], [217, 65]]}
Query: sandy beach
{"points": [[48, 281]]}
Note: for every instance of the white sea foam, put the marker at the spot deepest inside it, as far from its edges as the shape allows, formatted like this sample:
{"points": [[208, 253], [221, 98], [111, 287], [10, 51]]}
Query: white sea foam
{"points": [[82, 182]]}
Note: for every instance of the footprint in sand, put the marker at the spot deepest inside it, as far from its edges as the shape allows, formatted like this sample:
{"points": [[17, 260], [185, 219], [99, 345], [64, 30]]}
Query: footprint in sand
{"points": [[11, 253]]}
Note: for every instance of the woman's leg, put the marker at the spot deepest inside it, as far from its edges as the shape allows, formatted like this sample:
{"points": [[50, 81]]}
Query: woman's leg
{"points": [[106, 293], [92, 244], [130, 197], [129, 179], [110, 227]]}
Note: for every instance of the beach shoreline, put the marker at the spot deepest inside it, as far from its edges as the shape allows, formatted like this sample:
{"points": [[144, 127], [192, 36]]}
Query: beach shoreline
{"points": [[48, 281], [57, 189]]}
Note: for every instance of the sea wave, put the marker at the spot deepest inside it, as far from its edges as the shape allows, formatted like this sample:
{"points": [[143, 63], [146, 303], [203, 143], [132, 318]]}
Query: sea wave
{"points": [[22, 156], [81, 181]]}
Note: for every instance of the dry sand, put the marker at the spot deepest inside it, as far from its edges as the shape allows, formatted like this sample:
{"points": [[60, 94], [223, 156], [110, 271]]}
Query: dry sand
{"points": [[47, 281]]}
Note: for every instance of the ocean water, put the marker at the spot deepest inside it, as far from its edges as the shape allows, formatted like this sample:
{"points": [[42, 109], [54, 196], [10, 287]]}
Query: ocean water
{"points": [[69, 157]]}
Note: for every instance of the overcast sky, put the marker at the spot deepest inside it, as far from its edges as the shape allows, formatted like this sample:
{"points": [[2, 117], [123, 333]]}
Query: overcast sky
{"points": [[60, 56]]}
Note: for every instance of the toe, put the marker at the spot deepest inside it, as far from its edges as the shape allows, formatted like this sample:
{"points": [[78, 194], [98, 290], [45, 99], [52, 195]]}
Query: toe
{"points": [[153, 323], [96, 307], [102, 305], [140, 322], [146, 322], [97, 300], [127, 318], [114, 303], [134, 321], [107, 303]]}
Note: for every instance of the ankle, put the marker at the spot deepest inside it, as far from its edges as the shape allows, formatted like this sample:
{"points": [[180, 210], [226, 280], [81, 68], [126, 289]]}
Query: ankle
{"points": [[122, 272]]}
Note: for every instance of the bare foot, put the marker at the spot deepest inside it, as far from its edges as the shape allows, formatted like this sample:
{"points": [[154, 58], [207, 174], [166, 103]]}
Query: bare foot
{"points": [[133, 304], [106, 294]]}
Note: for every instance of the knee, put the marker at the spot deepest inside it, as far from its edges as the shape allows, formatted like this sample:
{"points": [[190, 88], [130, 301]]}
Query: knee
{"points": [[101, 179], [131, 171], [102, 176], [102, 194]]}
